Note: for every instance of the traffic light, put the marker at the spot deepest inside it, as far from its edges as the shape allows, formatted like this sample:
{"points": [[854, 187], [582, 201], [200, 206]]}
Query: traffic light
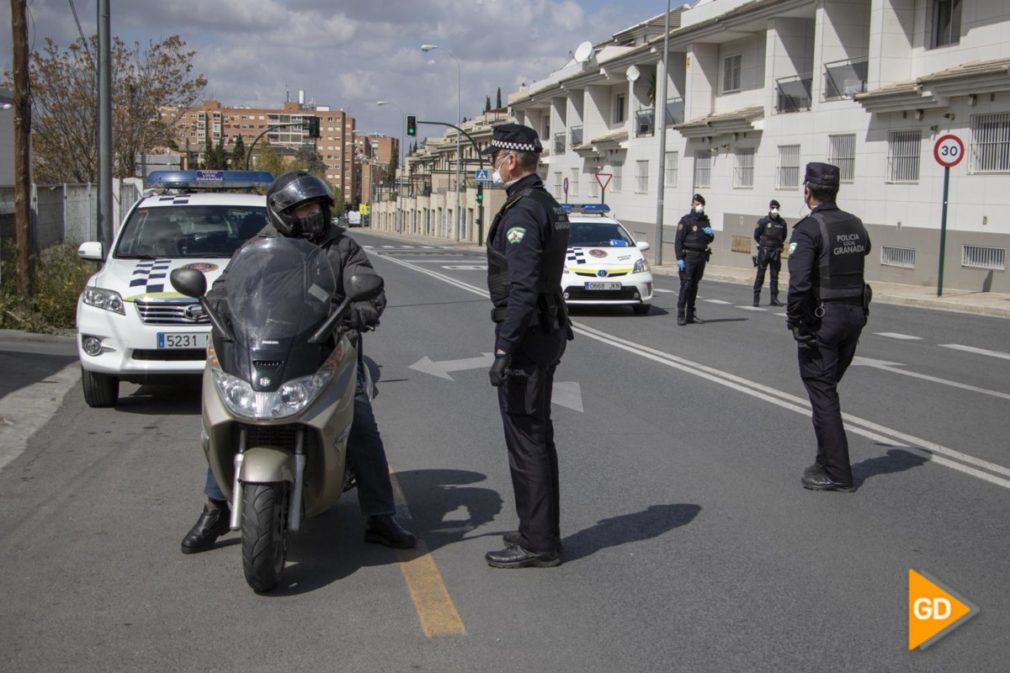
{"points": [[411, 125], [480, 192], [313, 123]]}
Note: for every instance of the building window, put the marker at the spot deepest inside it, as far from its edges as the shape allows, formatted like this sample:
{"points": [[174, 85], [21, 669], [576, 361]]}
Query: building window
{"points": [[615, 182], [979, 257], [901, 257], [619, 105], [990, 143], [573, 183], [743, 172], [671, 170], [731, 73], [702, 168], [641, 177], [788, 175], [944, 23], [842, 153], [557, 184], [903, 149]]}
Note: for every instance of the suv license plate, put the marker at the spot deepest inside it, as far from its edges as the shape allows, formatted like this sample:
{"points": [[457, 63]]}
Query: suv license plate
{"points": [[603, 286], [193, 340]]}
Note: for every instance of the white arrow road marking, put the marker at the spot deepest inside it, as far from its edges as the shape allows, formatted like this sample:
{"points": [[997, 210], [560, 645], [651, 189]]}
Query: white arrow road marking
{"points": [[442, 369], [568, 394], [717, 301], [893, 368], [899, 336], [935, 453], [978, 351]]}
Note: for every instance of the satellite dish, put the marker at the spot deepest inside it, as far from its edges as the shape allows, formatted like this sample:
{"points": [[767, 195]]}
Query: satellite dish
{"points": [[633, 74], [584, 52]]}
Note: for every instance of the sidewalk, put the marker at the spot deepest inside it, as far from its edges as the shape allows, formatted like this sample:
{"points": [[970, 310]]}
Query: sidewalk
{"points": [[993, 304]]}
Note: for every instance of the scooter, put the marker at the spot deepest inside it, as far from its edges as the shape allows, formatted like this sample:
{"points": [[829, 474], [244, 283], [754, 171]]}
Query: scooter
{"points": [[278, 391]]}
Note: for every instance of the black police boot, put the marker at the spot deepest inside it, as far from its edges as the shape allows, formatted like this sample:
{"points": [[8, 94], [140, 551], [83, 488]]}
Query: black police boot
{"points": [[757, 299], [818, 480], [214, 522], [775, 301], [511, 537], [681, 320], [692, 318], [514, 556], [383, 529]]}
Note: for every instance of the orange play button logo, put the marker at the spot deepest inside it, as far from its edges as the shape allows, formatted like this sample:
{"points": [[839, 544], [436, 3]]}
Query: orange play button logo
{"points": [[933, 610]]}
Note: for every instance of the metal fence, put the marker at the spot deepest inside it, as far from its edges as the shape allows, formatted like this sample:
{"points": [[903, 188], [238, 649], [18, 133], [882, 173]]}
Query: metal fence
{"points": [[67, 213]]}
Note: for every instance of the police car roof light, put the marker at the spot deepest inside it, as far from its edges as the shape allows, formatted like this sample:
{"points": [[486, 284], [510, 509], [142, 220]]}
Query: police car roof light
{"points": [[586, 207], [209, 179]]}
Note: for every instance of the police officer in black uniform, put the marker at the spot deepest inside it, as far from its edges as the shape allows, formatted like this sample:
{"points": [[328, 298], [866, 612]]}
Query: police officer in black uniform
{"points": [[770, 235], [526, 250], [828, 304], [694, 233]]}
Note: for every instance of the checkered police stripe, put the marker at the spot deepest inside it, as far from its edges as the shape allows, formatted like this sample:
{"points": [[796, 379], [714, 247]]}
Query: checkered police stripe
{"points": [[576, 255], [151, 275], [520, 147]]}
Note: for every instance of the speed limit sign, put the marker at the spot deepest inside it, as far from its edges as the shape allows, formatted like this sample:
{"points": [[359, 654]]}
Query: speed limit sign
{"points": [[948, 151]]}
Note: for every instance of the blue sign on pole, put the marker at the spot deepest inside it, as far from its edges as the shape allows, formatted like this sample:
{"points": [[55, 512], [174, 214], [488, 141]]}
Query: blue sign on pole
{"points": [[481, 175]]}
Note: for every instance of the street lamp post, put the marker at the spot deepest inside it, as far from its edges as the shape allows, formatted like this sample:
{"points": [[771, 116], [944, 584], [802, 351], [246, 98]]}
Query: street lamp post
{"points": [[400, 162], [459, 122]]}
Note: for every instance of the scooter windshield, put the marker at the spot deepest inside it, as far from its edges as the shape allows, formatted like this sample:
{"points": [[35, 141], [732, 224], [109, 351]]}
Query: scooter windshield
{"points": [[278, 288]]}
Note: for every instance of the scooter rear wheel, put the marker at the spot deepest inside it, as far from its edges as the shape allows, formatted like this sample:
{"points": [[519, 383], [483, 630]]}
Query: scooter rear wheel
{"points": [[264, 533]]}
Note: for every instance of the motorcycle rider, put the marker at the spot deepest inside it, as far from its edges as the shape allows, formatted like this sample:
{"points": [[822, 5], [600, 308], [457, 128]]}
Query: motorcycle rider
{"points": [[298, 205]]}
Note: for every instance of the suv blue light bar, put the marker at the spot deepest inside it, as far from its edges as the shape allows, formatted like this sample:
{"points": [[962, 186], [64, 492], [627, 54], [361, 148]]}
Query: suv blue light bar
{"points": [[209, 179], [585, 207]]}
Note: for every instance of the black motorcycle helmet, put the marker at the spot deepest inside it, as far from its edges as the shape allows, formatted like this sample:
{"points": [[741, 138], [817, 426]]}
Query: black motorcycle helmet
{"points": [[294, 189]]}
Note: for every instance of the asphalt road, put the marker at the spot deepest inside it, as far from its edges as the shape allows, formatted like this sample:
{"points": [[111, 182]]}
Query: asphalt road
{"points": [[689, 543]]}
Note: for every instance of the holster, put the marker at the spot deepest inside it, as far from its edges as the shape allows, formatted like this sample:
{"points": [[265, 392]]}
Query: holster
{"points": [[867, 298]]}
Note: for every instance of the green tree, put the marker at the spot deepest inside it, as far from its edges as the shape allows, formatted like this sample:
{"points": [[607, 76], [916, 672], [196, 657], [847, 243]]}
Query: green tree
{"points": [[391, 170], [151, 87], [308, 160], [216, 157], [264, 158], [498, 103], [487, 104], [238, 152]]}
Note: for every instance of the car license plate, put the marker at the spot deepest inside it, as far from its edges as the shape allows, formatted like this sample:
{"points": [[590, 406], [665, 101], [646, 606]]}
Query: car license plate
{"points": [[191, 340], [603, 286]]}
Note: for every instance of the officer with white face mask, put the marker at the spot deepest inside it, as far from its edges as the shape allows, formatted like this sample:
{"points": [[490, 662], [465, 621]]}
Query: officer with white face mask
{"points": [[770, 235], [694, 233]]}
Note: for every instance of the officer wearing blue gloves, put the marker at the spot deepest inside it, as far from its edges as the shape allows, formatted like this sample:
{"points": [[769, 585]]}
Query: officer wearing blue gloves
{"points": [[694, 233]]}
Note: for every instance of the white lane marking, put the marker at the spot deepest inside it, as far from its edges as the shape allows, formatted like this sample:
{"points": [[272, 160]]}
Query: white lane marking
{"points": [[893, 367], [661, 290], [751, 308], [26, 410], [899, 336], [924, 448], [717, 301], [977, 351], [782, 315], [465, 267]]}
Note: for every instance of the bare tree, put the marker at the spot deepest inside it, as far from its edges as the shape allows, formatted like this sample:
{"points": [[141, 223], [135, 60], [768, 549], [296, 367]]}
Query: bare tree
{"points": [[150, 90]]}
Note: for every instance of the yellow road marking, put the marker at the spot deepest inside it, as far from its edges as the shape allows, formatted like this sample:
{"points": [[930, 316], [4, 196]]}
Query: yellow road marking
{"points": [[435, 608]]}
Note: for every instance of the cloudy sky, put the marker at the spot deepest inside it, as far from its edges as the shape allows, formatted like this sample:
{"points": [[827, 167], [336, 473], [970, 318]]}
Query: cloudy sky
{"points": [[349, 53]]}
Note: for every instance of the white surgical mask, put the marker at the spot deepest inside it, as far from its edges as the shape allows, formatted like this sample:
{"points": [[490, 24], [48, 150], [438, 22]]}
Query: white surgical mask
{"points": [[699, 209], [774, 212], [496, 177]]}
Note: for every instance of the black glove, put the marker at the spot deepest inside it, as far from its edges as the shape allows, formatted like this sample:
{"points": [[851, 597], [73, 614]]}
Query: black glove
{"points": [[498, 372], [804, 338], [363, 316]]}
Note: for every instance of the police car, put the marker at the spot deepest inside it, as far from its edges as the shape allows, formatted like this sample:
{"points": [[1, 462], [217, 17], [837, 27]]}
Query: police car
{"points": [[604, 265], [131, 324]]}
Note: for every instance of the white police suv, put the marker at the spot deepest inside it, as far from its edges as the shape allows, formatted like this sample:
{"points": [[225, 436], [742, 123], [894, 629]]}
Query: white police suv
{"points": [[132, 325], [604, 265]]}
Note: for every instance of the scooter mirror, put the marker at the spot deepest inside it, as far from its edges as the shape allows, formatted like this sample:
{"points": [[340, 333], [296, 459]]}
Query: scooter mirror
{"points": [[189, 282], [362, 287]]}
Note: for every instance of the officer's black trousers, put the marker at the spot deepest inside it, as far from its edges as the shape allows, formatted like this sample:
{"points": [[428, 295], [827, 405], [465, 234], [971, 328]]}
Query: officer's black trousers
{"points": [[821, 368], [768, 258], [525, 403], [690, 277]]}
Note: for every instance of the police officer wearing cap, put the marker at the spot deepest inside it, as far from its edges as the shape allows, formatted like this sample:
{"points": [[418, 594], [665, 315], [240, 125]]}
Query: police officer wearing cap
{"points": [[770, 235], [526, 250], [694, 233], [827, 307]]}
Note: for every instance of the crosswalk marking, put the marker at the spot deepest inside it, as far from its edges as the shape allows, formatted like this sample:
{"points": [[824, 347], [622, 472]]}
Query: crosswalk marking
{"points": [[751, 308], [899, 336], [977, 351], [659, 289]]}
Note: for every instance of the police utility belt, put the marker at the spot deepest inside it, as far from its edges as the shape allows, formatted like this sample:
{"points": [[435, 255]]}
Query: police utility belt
{"points": [[550, 312]]}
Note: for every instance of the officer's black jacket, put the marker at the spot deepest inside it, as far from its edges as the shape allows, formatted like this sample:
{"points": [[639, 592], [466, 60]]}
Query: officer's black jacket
{"points": [[762, 230], [344, 253], [804, 259], [690, 235], [521, 235]]}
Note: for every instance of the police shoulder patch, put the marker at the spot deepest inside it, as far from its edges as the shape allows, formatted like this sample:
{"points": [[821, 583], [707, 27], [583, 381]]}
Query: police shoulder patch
{"points": [[792, 247], [680, 226], [515, 234]]}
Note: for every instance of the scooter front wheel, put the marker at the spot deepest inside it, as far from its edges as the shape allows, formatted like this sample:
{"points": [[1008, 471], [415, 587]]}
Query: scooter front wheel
{"points": [[264, 533]]}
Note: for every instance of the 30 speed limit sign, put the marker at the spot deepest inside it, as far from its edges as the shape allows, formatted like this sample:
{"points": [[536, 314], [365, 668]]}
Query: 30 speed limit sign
{"points": [[948, 151]]}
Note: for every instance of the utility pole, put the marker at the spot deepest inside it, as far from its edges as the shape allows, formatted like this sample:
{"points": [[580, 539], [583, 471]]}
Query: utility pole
{"points": [[105, 223], [22, 148]]}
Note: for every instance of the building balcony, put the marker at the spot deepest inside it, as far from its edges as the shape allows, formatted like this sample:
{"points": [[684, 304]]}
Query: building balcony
{"points": [[674, 111], [793, 93], [575, 136], [645, 122], [559, 143], [844, 79]]}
